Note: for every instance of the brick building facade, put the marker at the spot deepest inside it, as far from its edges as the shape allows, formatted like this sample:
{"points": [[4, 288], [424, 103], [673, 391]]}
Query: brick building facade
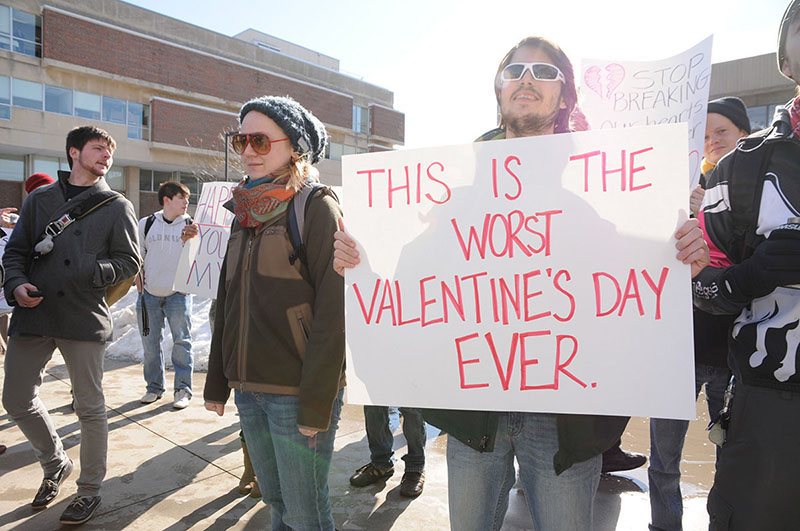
{"points": [[166, 90]]}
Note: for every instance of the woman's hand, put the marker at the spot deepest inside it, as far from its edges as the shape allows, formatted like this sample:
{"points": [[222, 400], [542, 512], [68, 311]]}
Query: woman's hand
{"points": [[219, 409], [692, 248], [345, 254], [308, 432]]}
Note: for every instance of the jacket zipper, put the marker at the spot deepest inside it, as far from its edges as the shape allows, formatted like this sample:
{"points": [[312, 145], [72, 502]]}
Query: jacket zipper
{"points": [[245, 283], [303, 328]]}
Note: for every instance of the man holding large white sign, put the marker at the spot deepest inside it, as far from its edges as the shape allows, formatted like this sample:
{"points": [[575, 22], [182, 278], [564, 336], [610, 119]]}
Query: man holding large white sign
{"points": [[506, 270]]}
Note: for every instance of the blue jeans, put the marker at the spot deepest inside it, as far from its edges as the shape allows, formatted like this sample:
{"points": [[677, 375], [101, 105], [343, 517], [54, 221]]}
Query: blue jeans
{"points": [[479, 483], [292, 469], [666, 448], [177, 309], [380, 438]]}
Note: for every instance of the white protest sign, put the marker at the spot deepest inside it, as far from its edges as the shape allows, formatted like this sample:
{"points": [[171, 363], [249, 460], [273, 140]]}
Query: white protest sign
{"points": [[630, 93], [201, 259], [514, 275]]}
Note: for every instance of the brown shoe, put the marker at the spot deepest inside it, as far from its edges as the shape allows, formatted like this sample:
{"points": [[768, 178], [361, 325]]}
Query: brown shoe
{"points": [[369, 474], [248, 475], [412, 483], [255, 492]]}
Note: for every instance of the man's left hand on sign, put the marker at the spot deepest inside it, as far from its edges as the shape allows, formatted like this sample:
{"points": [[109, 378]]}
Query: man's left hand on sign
{"points": [[345, 254], [22, 297], [696, 199], [692, 248], [189, 232]]}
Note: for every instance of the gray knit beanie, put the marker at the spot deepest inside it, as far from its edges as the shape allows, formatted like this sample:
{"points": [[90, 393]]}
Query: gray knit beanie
{"points": [[788, 15], [305, 131], [733, 109]]}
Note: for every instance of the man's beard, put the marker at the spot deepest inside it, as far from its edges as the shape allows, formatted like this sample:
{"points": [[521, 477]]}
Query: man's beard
{"points": [[531, 124], [93, 170]]}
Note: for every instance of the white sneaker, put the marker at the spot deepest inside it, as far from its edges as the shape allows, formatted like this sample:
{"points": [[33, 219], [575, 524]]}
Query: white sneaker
{"points": [[182, 398], [149, 398]]}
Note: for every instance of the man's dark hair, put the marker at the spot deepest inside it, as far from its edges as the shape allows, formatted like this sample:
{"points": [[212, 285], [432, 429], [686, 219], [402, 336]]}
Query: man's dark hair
{"points": [[560, 59], [79, 136], [170, 189]]}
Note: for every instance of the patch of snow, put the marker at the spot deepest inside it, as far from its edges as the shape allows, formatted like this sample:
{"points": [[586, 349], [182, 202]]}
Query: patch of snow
{"points": [[127, 342]]}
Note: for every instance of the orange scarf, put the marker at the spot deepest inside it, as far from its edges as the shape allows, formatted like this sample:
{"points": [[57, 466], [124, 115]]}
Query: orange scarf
{"points": [[706, 167], [256, 202]]}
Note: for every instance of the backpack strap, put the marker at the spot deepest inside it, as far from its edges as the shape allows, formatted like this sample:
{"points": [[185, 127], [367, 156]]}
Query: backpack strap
{"points": [[56, 226], [149, 223], [152, 218], [296, 219]]}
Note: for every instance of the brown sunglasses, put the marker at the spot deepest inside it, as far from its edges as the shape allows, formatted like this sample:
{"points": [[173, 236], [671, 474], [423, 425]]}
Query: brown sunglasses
{"points": [[260, 142]]}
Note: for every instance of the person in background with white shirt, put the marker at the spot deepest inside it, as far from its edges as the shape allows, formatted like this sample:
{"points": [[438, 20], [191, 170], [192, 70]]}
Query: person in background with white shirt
{"points": [[162, 236]]}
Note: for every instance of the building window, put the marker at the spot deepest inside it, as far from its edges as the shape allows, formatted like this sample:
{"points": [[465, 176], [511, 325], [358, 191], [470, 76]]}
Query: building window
{"points": [[116, 178], [26, 94], [20, 31], [192, 183], [57, 99], [5, 28], [138, 121], [150, 180], [114, 110], [145, 180], [5, 97], [335, 150], [49, 165], [12, 168], [27, 30], [360, 119], [87, 105]]}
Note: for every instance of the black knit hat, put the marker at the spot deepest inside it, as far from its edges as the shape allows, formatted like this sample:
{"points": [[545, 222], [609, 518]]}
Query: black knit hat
{"points": [[733, 109], [305, 131], [788, 16]]}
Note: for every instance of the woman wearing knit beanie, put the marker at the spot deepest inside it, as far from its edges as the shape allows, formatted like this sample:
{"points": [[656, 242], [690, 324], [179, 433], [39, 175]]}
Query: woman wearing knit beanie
{"points": [[279, 328]]}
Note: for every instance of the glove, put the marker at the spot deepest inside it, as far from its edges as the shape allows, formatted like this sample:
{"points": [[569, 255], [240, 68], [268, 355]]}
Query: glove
{"points": [[776, 262]]}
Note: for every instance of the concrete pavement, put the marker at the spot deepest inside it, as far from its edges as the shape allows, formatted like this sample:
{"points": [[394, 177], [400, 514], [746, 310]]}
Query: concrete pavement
{"points": [[175, 470]]}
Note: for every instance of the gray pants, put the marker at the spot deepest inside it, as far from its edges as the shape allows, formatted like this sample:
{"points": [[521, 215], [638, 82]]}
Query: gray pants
{"points": [[26, 359]]}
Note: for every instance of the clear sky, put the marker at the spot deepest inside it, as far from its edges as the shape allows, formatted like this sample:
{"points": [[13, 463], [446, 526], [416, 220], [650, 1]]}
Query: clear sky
{"points": [[439, 56]]}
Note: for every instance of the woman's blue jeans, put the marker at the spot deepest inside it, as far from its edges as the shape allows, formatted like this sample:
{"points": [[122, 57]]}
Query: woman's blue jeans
{"points": [[292, 469]]}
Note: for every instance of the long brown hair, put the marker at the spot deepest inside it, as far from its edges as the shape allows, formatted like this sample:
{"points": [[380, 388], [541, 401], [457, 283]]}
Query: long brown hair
{"points": [[560, 59], [299, 170]]}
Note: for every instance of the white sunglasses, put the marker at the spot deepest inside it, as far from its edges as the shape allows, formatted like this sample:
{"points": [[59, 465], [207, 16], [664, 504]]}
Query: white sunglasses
{"points": [[539, 71]]}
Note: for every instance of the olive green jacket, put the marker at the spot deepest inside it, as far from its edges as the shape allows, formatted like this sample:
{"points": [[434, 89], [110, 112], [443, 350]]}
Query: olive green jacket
{"points": [[279, 325]]}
